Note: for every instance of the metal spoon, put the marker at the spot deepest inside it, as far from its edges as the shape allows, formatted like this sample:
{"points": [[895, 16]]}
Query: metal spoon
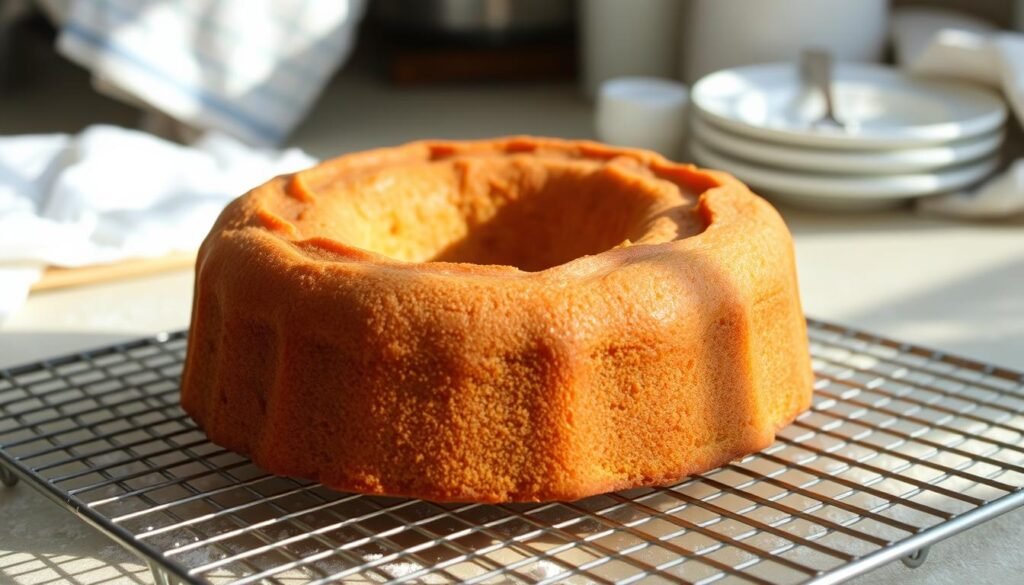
{"points": [[816, 72]]}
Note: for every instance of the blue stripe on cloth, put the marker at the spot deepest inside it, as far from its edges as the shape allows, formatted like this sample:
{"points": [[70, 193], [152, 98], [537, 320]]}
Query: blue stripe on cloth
{"points": [[128, 17], [210, 100]]}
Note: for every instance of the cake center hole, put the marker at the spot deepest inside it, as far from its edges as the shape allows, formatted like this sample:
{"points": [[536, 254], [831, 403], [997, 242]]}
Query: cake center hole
{"points": [[523, 212]]}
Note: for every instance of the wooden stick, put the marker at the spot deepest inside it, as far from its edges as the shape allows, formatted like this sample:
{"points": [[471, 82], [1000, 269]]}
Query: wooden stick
{"points": [[55, 278]]}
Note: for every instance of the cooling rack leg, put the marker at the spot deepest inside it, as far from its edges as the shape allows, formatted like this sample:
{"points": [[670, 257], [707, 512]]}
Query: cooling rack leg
{"points": [[7, 477], [161, 577], [916, 558]]}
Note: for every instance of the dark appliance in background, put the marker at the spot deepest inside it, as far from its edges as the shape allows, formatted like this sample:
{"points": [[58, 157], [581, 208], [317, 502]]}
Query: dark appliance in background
{"points": [[432, 41]]}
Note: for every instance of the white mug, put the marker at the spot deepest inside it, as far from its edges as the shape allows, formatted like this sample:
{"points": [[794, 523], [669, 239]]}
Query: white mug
{"points": [[643, 112]]}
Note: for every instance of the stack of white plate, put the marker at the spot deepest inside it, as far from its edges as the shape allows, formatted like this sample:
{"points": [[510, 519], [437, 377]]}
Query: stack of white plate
{"points": [[902, 137]]}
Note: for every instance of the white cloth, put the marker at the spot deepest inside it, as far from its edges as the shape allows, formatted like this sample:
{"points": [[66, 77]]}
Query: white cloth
{"points": [[937, 42], [250, 68], [109, 194]]}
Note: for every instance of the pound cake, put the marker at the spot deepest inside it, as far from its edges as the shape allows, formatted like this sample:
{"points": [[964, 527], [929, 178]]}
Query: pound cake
{"points": [[517, 319]]}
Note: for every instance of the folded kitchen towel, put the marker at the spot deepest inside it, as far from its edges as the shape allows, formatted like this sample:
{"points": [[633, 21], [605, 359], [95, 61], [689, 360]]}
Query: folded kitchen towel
{"points": [[937, 42], [250, 68], [110, 194]]}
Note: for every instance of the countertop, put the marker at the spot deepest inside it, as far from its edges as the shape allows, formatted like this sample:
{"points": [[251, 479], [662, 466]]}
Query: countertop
{"points": [[956, 286]]}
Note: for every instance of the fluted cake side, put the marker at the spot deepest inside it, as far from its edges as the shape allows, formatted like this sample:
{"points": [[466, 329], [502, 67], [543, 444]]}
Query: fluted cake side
{"points": [[516, 319]]}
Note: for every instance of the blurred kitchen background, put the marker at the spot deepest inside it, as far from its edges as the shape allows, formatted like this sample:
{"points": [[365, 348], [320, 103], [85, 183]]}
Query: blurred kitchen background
{"points": [[530, 66]]}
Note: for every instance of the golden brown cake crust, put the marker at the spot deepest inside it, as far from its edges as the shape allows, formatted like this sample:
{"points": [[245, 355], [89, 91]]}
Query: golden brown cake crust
{"points": [[517, 319]]}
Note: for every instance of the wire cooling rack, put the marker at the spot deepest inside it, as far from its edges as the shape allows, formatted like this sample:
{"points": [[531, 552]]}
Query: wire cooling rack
{"points": [[903, 447]]}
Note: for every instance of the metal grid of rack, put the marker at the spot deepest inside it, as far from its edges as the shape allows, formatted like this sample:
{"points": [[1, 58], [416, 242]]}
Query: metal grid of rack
{"points": [[903, 447]]}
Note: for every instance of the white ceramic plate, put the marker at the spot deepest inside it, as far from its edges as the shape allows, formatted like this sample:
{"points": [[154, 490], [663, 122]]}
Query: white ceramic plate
{"points": [[881, 107], [866, 162], [845, 191]]}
